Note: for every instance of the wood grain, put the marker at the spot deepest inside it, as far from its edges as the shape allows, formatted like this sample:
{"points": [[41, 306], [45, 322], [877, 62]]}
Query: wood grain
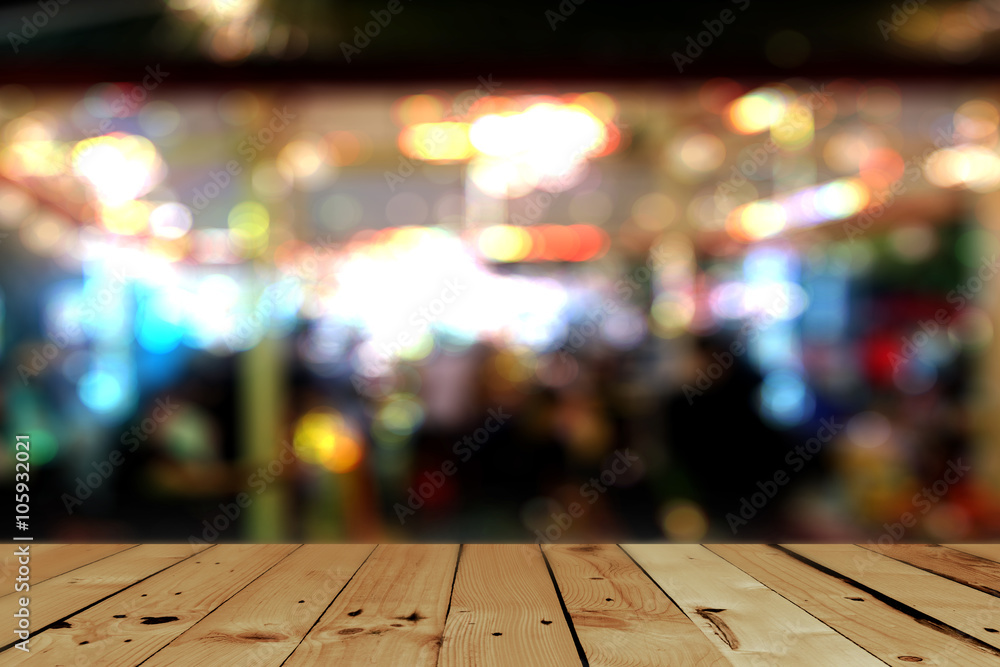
{"points": [[51, 560], [10, 563], [988, 551], [505, 611], [964, 568], [965, 609], [729, 606], [620, 615], [392, 612], [520, 605], [129, 627], [893, 636], [263, 623], [68, 593]]}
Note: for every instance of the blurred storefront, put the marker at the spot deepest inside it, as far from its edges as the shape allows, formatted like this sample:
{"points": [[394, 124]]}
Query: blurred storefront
{"points": [[718, 308]]}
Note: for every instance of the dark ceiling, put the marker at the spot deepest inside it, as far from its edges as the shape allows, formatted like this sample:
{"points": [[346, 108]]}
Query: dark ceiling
{"points": [[88, 40]]}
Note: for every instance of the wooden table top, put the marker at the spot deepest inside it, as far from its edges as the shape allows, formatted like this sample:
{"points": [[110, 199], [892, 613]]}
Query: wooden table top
{"points": [[509, 604]]}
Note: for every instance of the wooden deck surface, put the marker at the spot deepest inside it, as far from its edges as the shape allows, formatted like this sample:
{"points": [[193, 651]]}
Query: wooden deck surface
{"points": [[509, 604]]}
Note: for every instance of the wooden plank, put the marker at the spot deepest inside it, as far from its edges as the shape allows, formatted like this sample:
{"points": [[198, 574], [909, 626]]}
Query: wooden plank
{"points": [[66, 594], [963, 608], [748, 621], [724, 604], [894, 636], [391, 613], [621, 617], [988, 551], [51, 560], [961, 567], [505, 611], [263, 623], [132, 625], [9, 565]]}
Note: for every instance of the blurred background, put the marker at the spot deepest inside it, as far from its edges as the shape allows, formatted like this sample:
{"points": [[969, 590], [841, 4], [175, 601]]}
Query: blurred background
{"points": [[392, 271]]}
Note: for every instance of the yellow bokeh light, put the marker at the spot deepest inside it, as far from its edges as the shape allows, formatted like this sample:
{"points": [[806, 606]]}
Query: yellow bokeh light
{"points": [[672, 312], [322, 437], [969, 166], [505, 243], [861, 195], [249, 223], [542, 146], [437, 142], [500, 178], [497, 134], [32, 150], [795, 128], [839, 199], [216, 12], [756, 111], [128, 218], [305, 162], [345, 456], [601, 105], [756, 220], [118, 166]]}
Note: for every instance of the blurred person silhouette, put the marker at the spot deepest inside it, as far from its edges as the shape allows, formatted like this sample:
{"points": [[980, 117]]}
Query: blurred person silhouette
{"points": [[716, 435]]}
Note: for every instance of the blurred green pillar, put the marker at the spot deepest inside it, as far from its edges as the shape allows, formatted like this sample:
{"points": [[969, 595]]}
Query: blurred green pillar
{"points": [[261, 398]]}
